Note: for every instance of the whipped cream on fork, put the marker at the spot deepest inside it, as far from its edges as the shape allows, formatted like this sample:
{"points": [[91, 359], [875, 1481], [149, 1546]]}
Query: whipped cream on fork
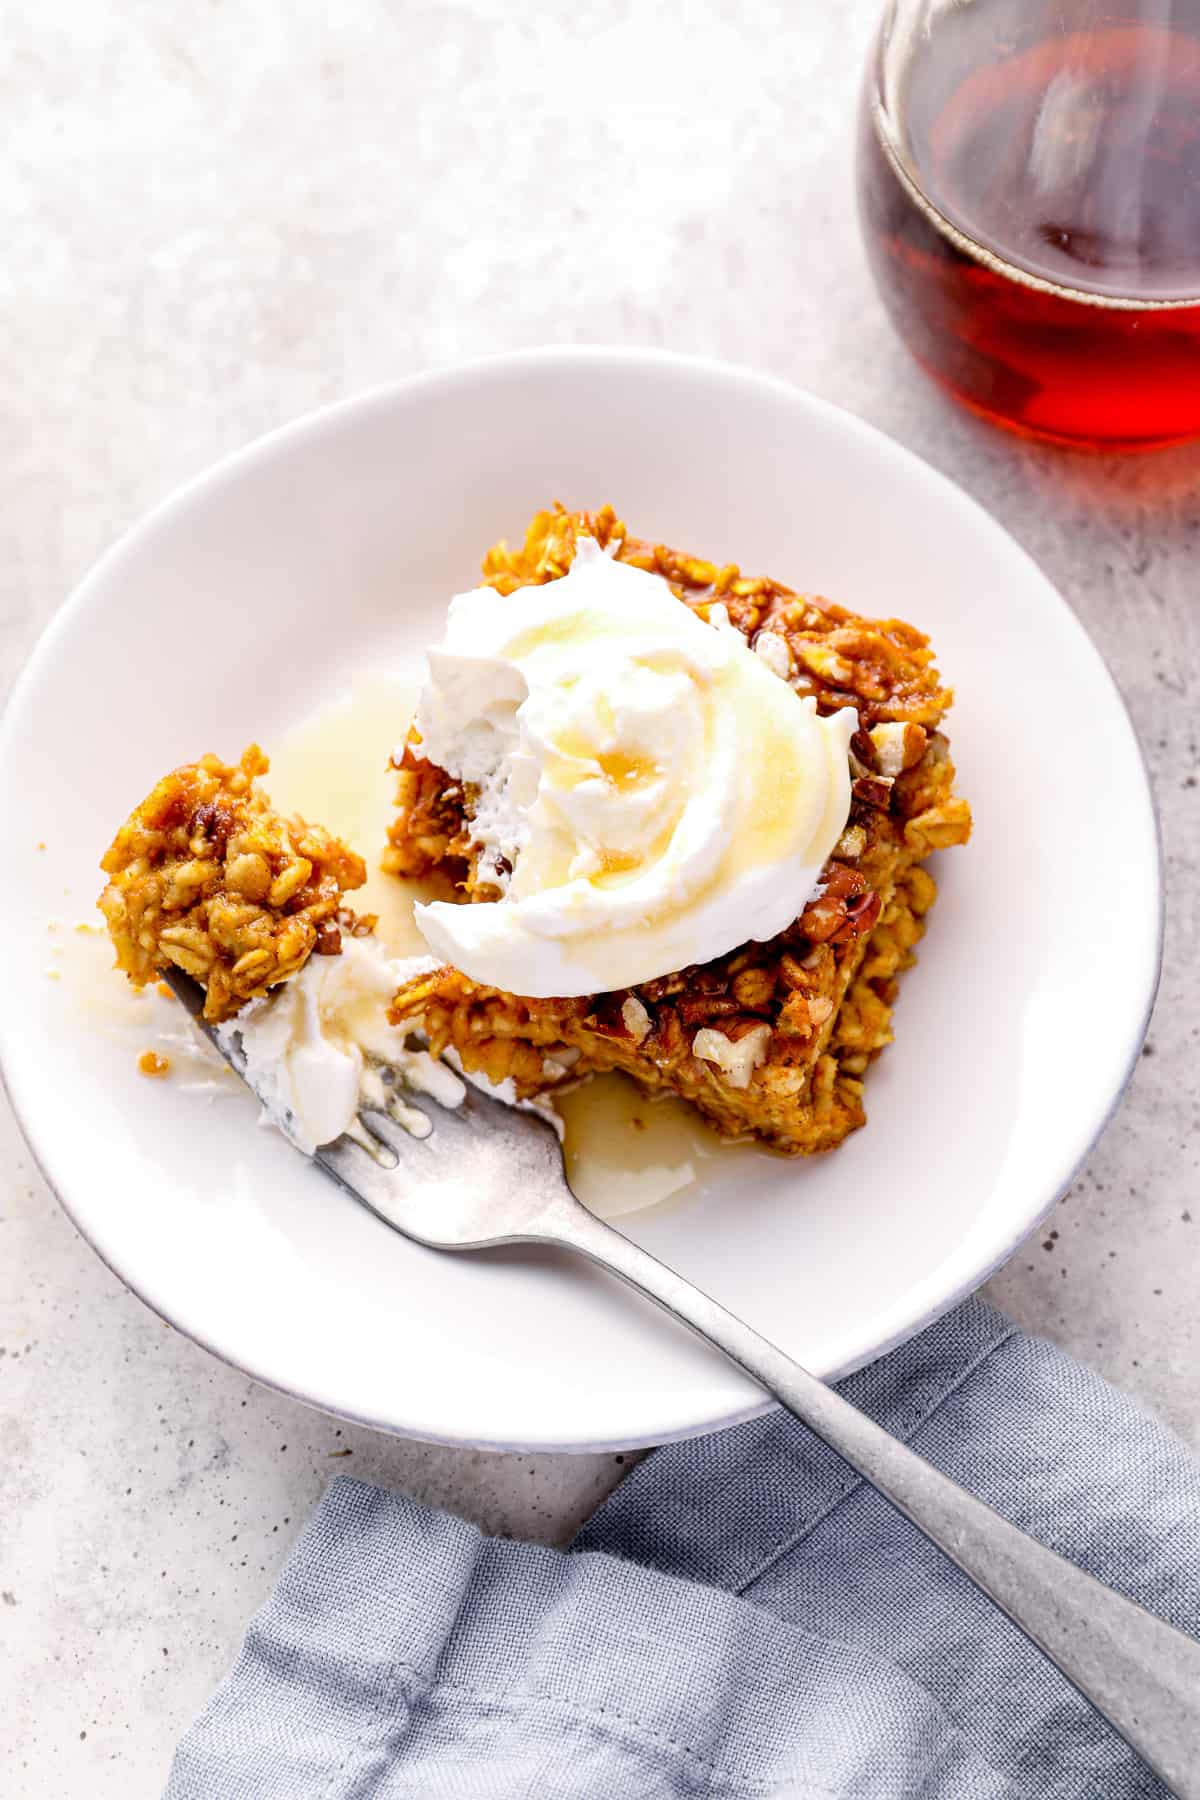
{"points": [[315, 1045]]}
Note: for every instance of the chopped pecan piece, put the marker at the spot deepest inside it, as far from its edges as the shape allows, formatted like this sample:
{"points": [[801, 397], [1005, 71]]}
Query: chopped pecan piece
{"points": [[898, 746], [863, 748], [635, 1018], [861, 913], [701, 1008], [737, 1058], [873, 790]]}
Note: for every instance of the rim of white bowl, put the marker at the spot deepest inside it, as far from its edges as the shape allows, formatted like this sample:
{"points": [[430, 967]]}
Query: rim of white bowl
{"points": [[448, 375]]}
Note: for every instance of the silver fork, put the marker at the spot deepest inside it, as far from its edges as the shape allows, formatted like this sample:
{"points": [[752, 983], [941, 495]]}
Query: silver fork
{"points": [[489, 1175]]}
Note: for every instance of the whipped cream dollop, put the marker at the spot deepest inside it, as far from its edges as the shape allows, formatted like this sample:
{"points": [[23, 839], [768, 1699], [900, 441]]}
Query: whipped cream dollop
{"points": [[647, 792], [315, 1046]]}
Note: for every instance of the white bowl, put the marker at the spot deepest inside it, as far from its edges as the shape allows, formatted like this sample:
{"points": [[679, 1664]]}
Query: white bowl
{"points": [[333, 546]]}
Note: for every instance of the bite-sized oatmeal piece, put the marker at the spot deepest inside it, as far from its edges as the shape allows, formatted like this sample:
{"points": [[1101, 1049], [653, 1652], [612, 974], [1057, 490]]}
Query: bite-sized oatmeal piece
{"points": [[207, 876], [774, 1038]]}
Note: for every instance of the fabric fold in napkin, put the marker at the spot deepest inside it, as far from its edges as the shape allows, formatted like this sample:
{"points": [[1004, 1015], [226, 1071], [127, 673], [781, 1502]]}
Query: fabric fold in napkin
{"points": [[743, 1617]]}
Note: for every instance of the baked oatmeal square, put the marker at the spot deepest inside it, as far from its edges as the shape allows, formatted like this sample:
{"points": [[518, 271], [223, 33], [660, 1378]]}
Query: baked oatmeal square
{"points": [[774, 1038]]}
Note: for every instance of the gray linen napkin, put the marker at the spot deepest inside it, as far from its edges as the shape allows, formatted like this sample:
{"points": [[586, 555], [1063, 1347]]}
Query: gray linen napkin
{"points": [[744, 1617]]}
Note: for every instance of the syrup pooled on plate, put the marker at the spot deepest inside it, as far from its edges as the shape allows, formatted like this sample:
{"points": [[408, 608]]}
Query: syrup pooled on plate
{"points": [[333, 767], [1029, 188]]}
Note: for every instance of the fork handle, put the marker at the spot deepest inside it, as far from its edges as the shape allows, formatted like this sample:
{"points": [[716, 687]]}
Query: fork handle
{"points": [[1143, 1675]]}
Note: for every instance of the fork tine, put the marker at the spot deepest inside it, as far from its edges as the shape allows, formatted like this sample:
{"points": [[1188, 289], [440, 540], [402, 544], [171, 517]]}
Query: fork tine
{"points": [[354, 1162], [190, 995], [373, 1142], [391, 1132]]}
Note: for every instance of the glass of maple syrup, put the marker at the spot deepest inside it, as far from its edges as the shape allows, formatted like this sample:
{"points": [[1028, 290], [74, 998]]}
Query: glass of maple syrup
{"points": [[1029, 190]]}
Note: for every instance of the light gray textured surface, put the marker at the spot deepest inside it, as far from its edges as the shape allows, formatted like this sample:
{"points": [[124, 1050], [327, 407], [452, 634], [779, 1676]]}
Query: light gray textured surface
{"points": [[217, 218]]}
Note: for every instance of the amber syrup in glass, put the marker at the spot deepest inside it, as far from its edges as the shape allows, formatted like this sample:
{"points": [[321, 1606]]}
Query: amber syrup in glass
{"points": [[1033, 218]]}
